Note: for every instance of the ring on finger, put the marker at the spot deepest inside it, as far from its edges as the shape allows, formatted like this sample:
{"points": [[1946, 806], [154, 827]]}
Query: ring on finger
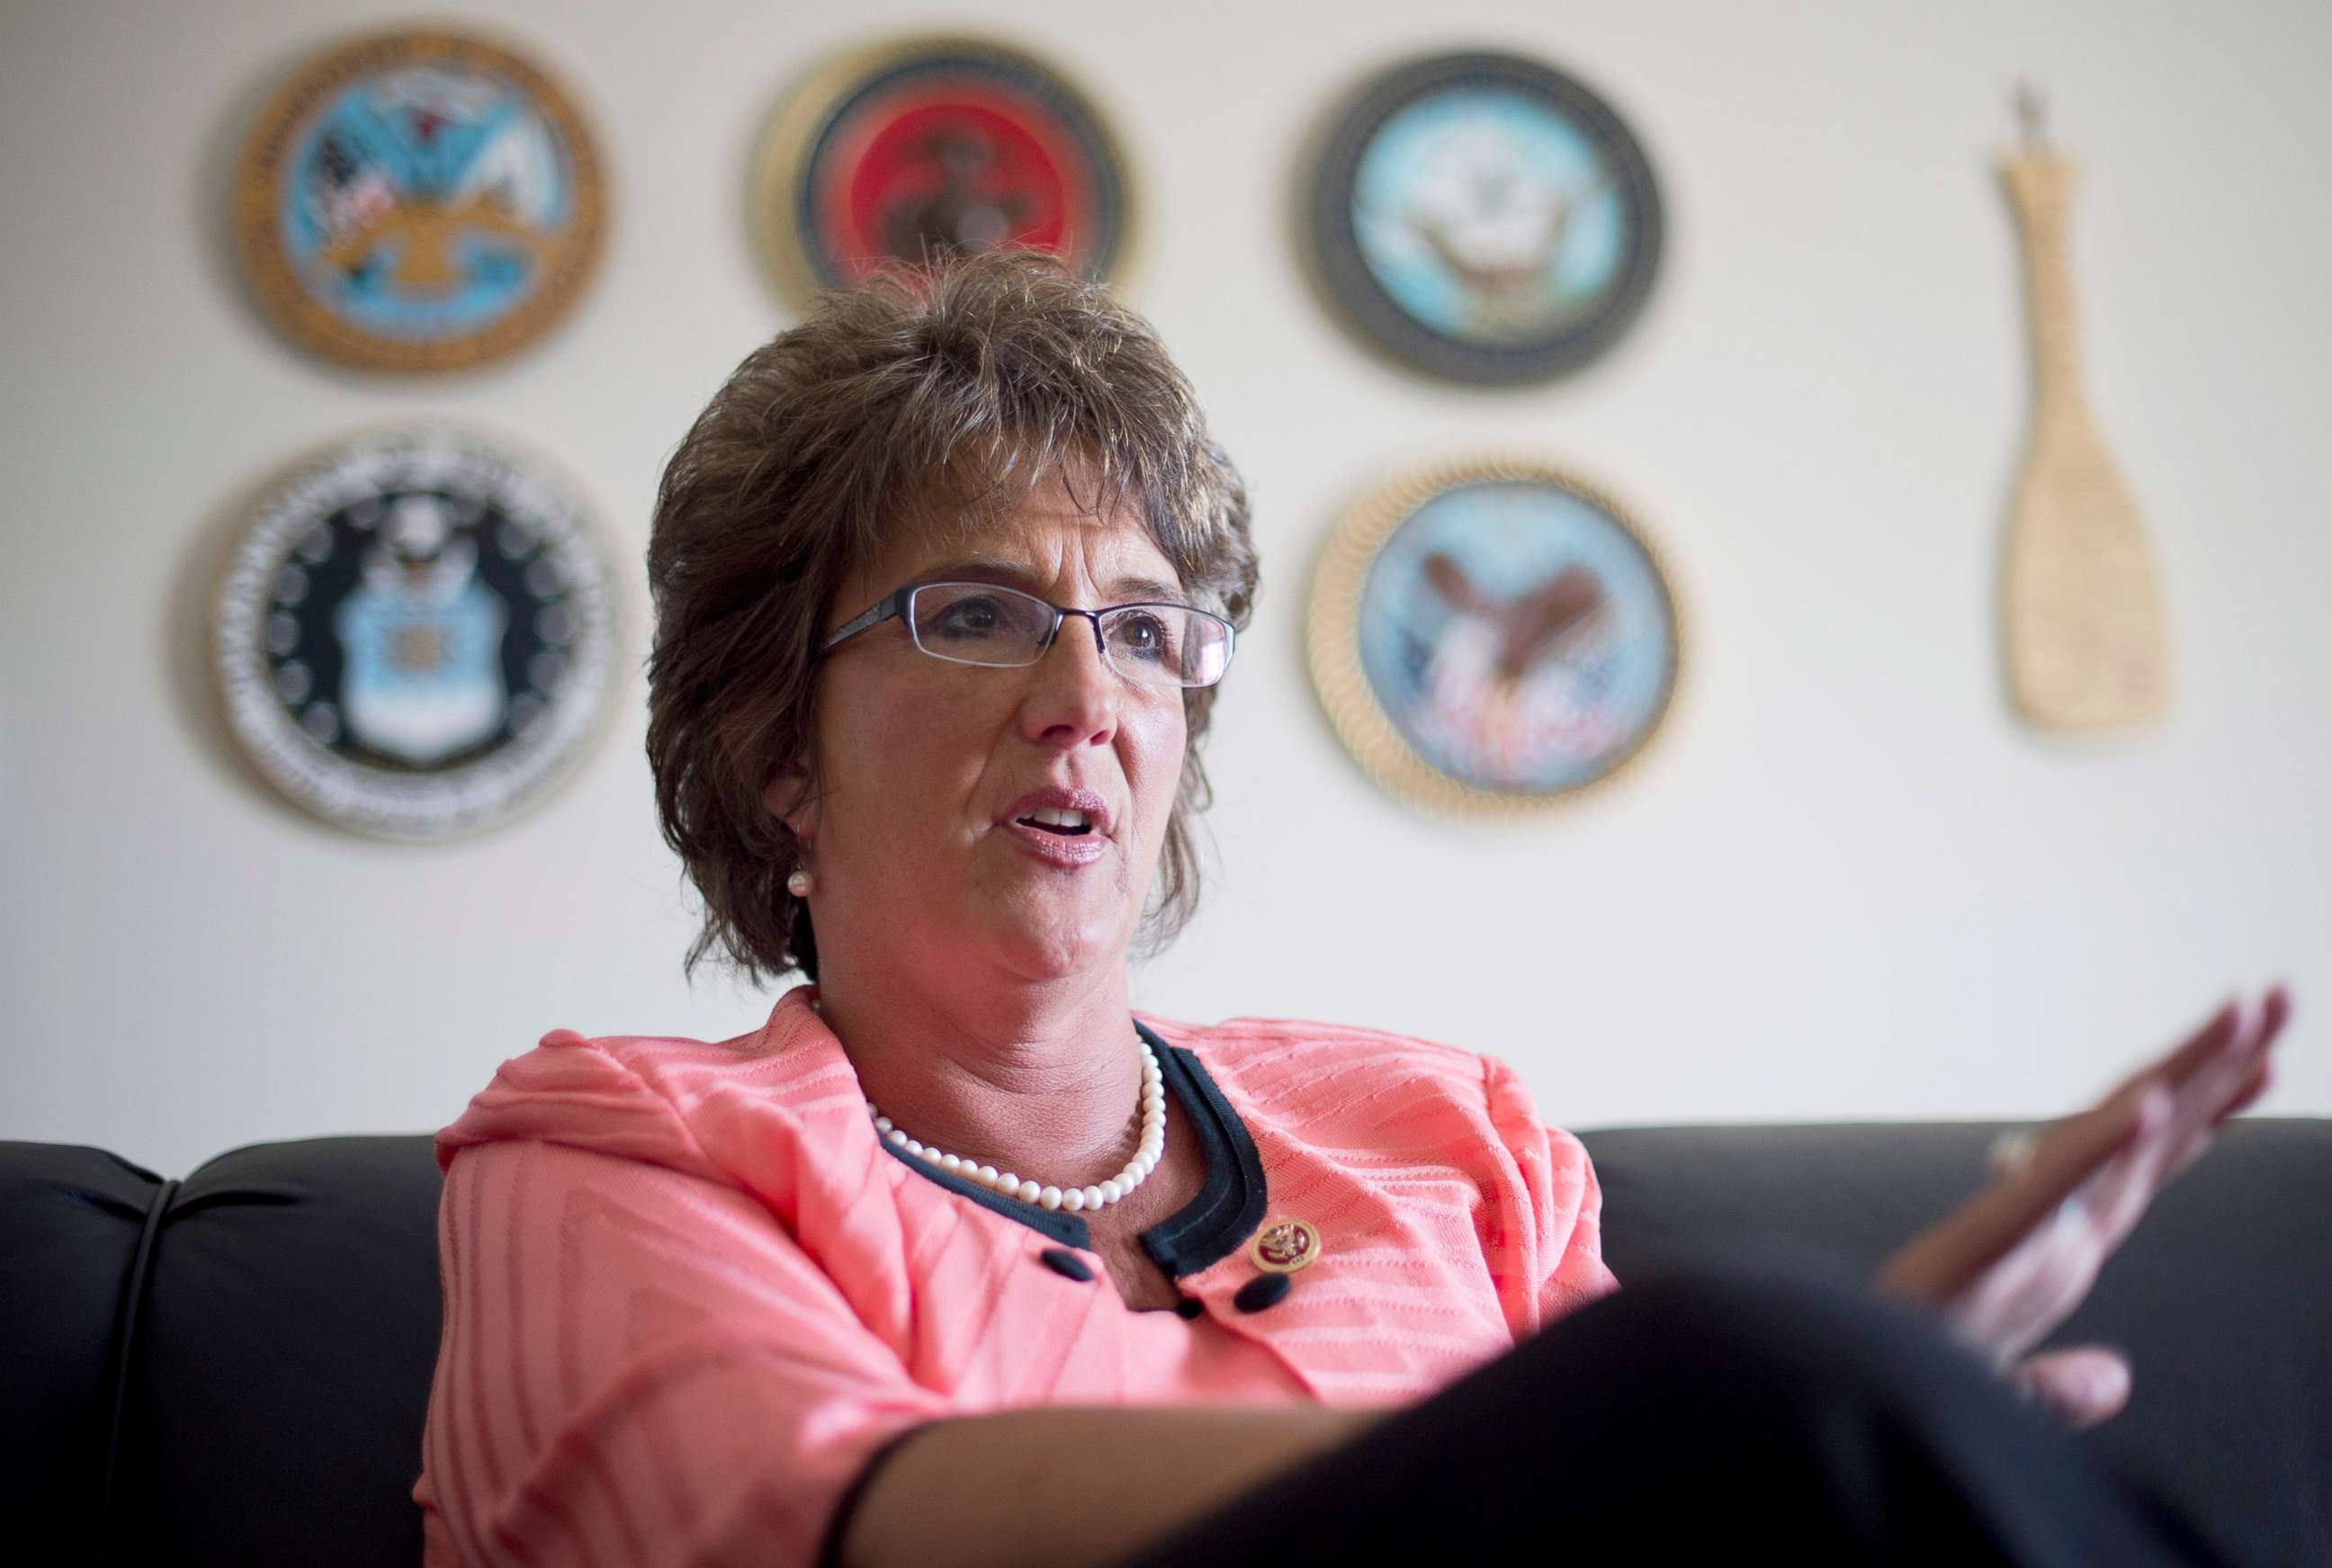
{"points": [[2011, 1152]]}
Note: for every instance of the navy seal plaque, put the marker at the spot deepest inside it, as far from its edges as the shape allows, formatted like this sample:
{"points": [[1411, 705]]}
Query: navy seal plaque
{"points": [[1484, 218], [415, 636]]}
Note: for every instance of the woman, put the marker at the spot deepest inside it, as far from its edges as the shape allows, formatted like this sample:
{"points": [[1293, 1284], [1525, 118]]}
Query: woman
{"points": [[958, 1259]]}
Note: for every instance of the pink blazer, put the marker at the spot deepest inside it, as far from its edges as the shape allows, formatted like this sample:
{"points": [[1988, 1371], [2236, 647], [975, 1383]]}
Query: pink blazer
{"points": [[689, 1292]]}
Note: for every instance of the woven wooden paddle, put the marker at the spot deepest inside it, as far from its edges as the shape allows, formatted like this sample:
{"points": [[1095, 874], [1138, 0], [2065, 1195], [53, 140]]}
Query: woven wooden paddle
{"points": [[2082, 621]]}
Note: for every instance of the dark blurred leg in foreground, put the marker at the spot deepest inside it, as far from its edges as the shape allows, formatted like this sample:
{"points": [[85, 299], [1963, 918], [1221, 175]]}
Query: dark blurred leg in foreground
{"points": [[1753, 1406]]}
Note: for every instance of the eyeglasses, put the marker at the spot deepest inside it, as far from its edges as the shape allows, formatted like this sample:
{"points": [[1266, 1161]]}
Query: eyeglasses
{"points": [[978, 623]]}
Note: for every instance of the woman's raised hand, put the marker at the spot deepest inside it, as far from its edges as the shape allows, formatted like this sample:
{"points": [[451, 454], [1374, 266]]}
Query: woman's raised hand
{"points": [[2014, 1261]]}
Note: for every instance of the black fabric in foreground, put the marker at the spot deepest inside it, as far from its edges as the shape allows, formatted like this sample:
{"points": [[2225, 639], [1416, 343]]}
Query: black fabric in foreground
{"points": [[1750, 1405]]}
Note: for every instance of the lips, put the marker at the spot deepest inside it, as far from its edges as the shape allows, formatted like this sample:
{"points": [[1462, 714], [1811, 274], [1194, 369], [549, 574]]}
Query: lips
{"points": [[1072, 813], [1060, 826]]}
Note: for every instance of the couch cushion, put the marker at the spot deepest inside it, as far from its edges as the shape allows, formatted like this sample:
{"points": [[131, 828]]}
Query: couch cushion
{"points": [[282, 1375], [70, 1219]]}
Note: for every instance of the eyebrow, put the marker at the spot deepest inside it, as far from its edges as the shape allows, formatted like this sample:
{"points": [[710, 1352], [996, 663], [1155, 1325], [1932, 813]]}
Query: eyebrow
{"points": [[983, 568]]}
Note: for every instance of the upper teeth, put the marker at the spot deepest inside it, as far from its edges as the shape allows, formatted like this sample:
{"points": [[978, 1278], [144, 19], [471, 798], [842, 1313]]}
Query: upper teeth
{"points": [[1057, 817]]}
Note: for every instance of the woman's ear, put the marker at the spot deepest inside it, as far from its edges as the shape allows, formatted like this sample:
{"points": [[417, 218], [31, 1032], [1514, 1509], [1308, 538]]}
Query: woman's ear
{"points": [[786, 798]]}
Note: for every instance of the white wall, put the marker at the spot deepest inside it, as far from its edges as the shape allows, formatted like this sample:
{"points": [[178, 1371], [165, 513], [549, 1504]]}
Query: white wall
{"points": [[1842, 884]]}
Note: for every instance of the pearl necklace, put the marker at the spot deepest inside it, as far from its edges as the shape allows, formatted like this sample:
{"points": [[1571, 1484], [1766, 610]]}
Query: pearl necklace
{"points": [[1012, 1185]]}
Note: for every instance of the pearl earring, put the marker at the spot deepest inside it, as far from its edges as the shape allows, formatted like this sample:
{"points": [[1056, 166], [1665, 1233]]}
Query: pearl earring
{"points": [[801, 883]]}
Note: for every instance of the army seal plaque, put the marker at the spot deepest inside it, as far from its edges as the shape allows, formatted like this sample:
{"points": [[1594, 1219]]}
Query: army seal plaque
{"points": [[418, 201]]}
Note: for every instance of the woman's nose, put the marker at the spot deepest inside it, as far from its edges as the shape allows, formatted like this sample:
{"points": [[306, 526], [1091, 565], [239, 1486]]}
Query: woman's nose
{"points": [[1074, 696]]}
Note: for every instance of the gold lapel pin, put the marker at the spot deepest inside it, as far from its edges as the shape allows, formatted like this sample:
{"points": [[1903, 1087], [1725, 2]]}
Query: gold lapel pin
{"points": [[1285, 1246]]}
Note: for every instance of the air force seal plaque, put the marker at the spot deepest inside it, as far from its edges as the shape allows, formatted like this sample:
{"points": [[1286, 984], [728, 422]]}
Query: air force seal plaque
{"points": [[413, 636], [418, 201]]}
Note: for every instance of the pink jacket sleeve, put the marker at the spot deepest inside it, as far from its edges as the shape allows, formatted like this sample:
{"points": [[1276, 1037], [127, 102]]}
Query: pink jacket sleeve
{"points": [[639, 1365], [1560, 1238]]}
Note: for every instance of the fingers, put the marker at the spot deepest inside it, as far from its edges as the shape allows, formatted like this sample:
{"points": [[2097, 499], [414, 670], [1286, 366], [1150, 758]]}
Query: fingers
{"points": [[2248, 1032], [2081, 1385], [2125, 1184], [2181, 1059], [2264, 1067], [2221, 1067], [2262, 1079], [2072, 1150], [2197, 1143], [2235, 1025], [2037, 1283], [2170, 1129], [2117, 1195], [2225, 1082], [2206, 1076], [2014, 1301]]}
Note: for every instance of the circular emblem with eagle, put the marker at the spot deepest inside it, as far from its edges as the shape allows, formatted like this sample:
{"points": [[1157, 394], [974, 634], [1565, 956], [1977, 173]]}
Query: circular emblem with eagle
{"points": [[418, 201], [1285, 1245], [1492, 634], [415, 636], [908, 151], [1484, 218]]}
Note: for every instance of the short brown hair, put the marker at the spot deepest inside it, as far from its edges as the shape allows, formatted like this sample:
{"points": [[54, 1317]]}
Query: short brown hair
{"points": [[926, 398]]}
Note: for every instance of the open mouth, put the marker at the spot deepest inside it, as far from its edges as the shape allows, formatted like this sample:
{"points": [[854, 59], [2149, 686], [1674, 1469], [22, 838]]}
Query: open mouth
{"points": [[1068, 824]]}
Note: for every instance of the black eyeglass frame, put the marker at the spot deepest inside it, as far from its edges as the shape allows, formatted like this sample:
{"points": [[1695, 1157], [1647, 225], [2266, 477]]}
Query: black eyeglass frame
{"points": [[898, 600]]}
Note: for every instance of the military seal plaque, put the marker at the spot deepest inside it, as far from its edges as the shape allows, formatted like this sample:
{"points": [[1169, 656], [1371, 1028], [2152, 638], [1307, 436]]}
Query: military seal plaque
{"points": [[418, 201], [415, 636], [909, 150], [1492, 634], [1484, 219]]}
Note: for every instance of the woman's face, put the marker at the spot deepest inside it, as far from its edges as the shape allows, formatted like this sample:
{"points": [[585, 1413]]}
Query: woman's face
{"points": [[917, 836]]}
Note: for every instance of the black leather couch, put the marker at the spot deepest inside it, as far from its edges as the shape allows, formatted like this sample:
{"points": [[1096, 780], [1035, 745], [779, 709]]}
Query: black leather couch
{"points": [[234, 1368]]}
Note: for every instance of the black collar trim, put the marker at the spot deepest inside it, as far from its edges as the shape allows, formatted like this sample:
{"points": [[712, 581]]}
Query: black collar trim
{"points": [[1227, 1209], [1231, 1203]]}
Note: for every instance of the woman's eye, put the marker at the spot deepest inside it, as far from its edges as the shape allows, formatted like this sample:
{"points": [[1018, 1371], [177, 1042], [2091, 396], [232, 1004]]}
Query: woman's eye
{"points": [[1145, 635], [968, 618]]}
